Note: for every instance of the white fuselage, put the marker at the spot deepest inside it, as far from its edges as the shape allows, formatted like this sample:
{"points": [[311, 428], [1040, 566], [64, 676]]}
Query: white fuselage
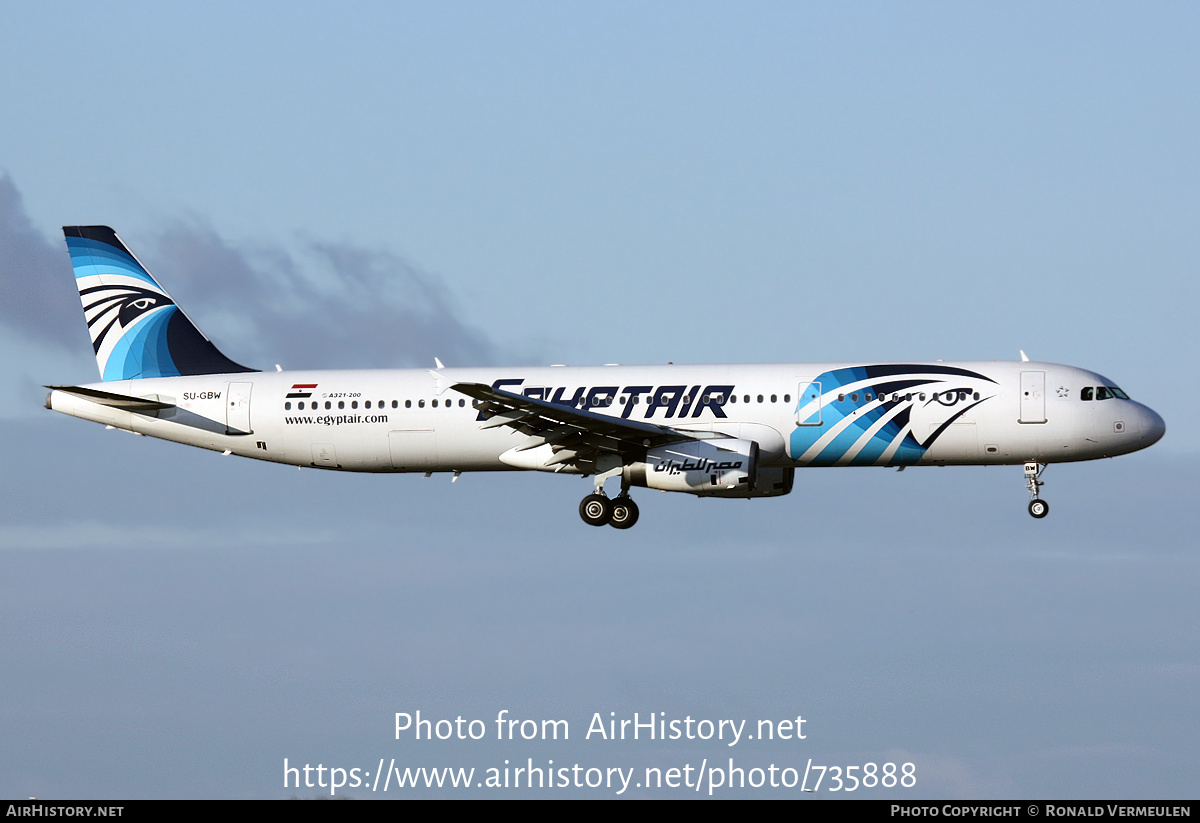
{"points": [[799, 414]]}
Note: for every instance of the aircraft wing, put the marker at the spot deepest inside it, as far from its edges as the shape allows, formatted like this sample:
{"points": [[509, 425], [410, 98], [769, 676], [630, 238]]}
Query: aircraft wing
{"points": [[577, 438]]}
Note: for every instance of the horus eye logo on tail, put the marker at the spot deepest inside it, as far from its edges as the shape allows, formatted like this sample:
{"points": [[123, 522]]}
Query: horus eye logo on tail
{"points": [[137, 330], [113, 309]]}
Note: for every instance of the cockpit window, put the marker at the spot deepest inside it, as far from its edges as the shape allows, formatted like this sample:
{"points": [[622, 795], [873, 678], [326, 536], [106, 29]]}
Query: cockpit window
{"points": [[1102, 393]]}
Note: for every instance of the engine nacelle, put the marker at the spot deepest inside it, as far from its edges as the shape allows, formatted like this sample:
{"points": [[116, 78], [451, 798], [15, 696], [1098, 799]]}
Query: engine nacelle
{"points": [[721, 468], [771, 482]]}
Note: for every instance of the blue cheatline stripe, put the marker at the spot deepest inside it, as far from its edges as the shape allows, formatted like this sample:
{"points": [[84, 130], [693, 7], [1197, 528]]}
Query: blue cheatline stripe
{"points": [[143, 350]]}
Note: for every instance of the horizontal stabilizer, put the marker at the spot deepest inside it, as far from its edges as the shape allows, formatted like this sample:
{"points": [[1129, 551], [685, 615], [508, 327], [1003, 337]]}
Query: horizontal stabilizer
{"points": [[124, 402]]}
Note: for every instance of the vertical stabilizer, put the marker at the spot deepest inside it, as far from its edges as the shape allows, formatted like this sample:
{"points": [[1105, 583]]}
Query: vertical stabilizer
{"points": [[137, 330]]}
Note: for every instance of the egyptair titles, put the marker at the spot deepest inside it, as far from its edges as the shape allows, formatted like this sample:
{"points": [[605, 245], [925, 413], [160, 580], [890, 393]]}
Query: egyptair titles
{"points": [[678, 401]]}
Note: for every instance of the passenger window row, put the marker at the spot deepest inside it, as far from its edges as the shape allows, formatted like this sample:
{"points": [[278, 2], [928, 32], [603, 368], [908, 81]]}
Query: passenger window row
{"points": [[341, 404], [718, 399], [944, 397], [787, 398], [600, 402]]}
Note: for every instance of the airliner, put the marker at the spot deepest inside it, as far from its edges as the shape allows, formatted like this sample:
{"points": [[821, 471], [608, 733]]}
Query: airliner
{"points": [[736, 431]]}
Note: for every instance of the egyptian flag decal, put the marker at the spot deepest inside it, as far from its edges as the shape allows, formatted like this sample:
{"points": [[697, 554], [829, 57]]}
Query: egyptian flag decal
{"points": [[301, 390]]}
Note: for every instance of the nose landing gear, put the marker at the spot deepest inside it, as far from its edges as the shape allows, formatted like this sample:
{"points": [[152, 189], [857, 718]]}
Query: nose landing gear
{"points": [[1037, 507]]}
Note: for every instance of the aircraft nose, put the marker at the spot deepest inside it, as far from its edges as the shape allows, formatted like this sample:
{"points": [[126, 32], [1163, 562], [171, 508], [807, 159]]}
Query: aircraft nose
{"points": [[1152, 425]]}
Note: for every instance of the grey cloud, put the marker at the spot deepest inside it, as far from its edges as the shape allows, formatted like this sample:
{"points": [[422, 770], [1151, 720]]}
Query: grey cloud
{"points": [[329, 305], [323, 305], [40, 299]]}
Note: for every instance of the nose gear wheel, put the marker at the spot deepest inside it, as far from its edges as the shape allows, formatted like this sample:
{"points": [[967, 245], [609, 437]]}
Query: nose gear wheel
{"points": [[1038, 508]]}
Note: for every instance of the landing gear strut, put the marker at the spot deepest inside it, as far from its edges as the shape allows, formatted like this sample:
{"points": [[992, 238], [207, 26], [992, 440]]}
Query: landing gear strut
{"points": [[1037, 507]]}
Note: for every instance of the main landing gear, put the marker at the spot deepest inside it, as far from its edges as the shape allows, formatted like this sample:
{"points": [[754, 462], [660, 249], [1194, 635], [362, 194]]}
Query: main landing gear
{"points": [[598, 510], [1037, 507]]}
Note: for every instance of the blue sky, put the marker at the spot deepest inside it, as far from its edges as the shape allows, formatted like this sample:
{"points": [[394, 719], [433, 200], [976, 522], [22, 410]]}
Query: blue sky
{"points": [[379, 184]]}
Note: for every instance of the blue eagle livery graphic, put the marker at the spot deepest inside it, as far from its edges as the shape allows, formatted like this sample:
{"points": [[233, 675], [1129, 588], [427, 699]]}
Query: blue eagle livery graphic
{"points": [[137, 330], [884, 415]]}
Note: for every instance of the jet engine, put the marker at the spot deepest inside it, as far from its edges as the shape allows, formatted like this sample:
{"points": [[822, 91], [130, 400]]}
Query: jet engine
{"points": [[710, 468]]}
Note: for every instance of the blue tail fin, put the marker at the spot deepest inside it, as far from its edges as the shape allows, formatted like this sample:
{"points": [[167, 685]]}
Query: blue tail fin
{"points": [[136, 328]]}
